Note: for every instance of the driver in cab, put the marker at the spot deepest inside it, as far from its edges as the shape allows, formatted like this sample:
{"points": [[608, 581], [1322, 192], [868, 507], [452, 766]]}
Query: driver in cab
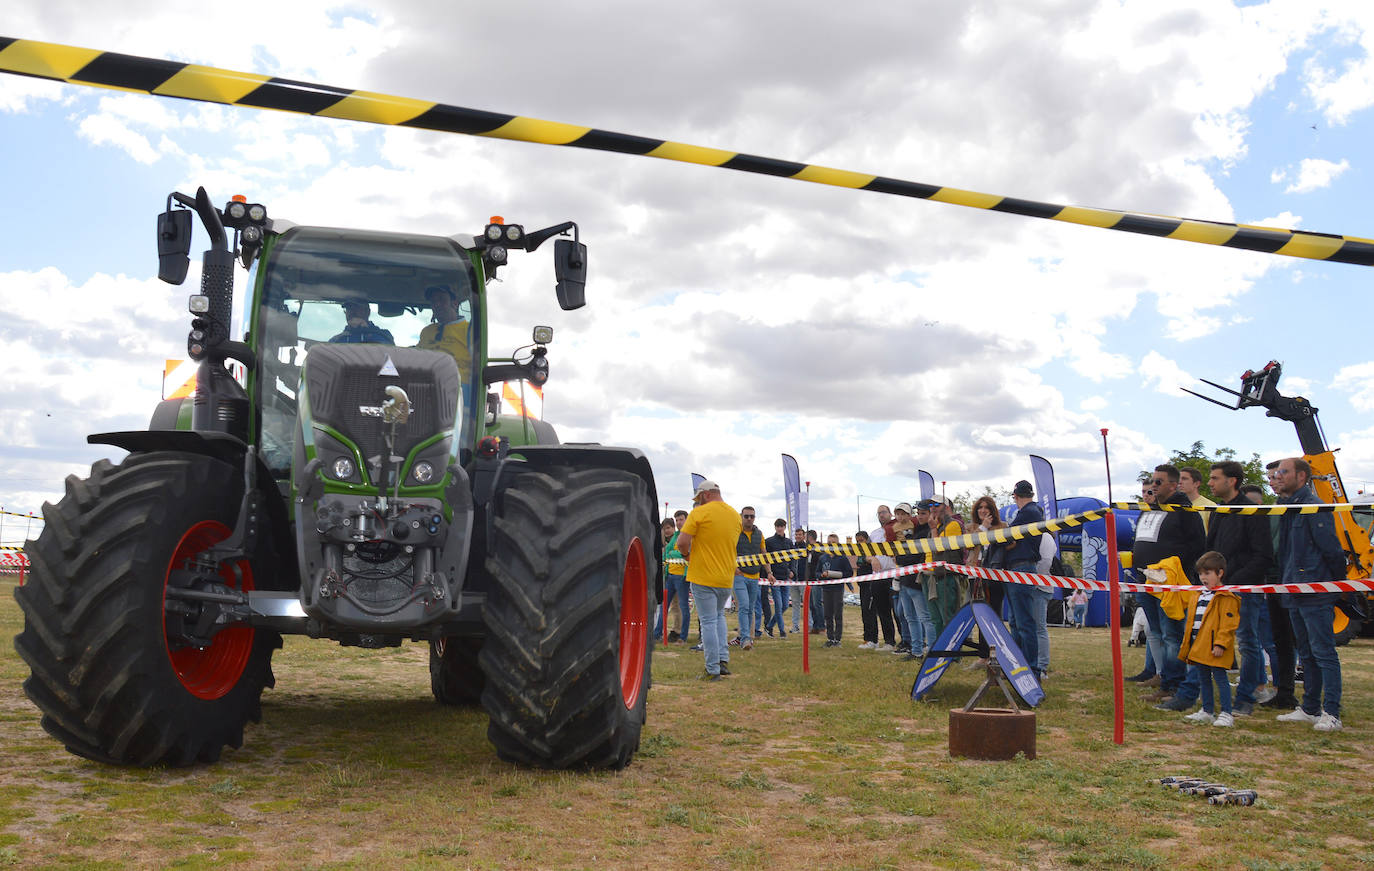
{"points": [[359, 327], [449, 332]]}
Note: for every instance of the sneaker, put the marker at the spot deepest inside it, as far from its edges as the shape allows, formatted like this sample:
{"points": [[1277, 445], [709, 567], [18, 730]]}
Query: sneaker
{"points": [[1139, 678], [1157, 696], [1202, 717], [1298, 715], [1282, 702], [1243, 709], [747, 645], [1224, 721], [1151, 681], [734, 642], [911, 656], [696, 647], [884, 648], [1264, 694], [706, 675], [781, 634], [1174, 704], [673, 637], [1327, 723], [867, 645], [724, 669], [901, 650]]}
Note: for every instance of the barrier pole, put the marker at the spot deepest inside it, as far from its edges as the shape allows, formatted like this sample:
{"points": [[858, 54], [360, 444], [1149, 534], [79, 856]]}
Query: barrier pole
{"points": [[806, 629], [1114, 606], [665, 616], [1114, 609]]}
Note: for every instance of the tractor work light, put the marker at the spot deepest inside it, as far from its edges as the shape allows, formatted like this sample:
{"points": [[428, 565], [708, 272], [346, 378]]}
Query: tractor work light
{"points": [[494, 231], [343, 468], [198, 304], [514, 233], [238, 211], [543, 335], [497, 254], [252, 235], [423, 472], [257, 213]]}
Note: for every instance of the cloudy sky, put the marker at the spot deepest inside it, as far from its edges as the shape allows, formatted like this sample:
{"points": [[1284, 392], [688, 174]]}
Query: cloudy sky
{"points": [[733, 317]]}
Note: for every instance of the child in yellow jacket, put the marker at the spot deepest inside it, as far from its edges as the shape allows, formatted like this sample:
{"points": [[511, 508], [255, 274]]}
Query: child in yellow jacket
{"points": [[1209, 641]]}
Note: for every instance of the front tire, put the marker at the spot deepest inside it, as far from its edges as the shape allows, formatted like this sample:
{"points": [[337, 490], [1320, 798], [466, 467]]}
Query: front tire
{"points": [[111, 684], [455, 676], [568, 618]]}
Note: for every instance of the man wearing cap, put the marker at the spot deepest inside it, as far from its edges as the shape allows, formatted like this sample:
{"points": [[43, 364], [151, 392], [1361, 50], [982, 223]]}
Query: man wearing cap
{"points": [[915, 606], [941, 585], [751, 543], [1022, 556], [358, 326], [449, 332], [707, 541]]}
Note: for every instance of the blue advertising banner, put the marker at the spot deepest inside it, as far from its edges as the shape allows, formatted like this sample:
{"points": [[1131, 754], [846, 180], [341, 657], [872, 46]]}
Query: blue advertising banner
{"points": [[1043, 473], [791, 488], [927, 484], [1009, 656]]}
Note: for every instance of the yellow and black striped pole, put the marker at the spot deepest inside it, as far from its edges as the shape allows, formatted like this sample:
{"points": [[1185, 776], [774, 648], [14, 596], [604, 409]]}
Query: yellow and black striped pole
{"points": [[166, 78]]}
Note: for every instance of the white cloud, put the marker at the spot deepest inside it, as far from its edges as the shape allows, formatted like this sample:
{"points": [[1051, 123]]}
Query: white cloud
{"points": [[1314, 174], [1163, 374], [1358, 381]]}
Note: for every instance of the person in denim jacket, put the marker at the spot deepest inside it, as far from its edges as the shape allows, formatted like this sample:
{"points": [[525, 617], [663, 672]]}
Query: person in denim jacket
{"points": [[1310, 551]]}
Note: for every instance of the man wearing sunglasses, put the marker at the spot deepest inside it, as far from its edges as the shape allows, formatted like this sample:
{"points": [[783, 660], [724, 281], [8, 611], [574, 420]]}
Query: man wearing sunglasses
{"points": [[1158, 536], [751, 543]]}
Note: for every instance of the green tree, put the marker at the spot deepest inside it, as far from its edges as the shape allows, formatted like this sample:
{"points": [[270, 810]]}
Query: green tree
{"points": [[1197, 457]]}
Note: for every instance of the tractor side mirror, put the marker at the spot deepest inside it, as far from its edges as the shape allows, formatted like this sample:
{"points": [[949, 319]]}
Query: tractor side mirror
{"points": [[173, 245], [570, 269]]}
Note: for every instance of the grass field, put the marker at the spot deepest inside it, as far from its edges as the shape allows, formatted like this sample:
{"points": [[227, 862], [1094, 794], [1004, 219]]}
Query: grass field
{"points": [[354, 766]]}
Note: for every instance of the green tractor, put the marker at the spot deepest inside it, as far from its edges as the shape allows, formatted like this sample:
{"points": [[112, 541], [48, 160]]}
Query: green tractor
{"points": [[354, 483]]}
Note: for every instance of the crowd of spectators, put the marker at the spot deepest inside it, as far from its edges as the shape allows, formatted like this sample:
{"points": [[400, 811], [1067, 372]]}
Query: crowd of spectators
{"points": [[1192, 634]]}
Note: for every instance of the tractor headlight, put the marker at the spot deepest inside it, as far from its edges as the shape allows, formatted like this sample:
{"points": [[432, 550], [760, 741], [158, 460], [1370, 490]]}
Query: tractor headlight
{"points": [[514, 232], [237, 211], [198, 304], [496, 254], [423, 472], [494, 231], [257, 212], [343, 468]]}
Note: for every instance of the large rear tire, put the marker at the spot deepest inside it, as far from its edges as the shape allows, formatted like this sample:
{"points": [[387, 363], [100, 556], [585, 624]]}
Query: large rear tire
{"points": [[455, 676], [110, 683], [568, 618]]}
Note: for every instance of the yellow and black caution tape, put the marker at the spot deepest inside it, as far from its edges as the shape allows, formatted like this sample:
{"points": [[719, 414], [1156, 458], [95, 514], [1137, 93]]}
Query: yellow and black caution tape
{"points": [[1309, 508], [919, 546], [9, 547], [25, 516], [83, 66]]}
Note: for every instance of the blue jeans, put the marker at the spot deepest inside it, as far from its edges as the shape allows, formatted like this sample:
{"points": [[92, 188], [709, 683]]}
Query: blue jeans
{"points": [[1187, 688], [1266, 641], [1080, 614], [1171, 668], [747, 598], [918, 619], [1213, 674], [1248, 646], [1321, 667], [1041, 600], [797, 594], [711, 606], [779, 595], [674, 587], [899, 615], [1025, 631], [1154, 634]]}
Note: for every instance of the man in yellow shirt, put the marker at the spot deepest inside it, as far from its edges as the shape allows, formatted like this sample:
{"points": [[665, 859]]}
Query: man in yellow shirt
{"points": [[707, 541], [449, 332]]}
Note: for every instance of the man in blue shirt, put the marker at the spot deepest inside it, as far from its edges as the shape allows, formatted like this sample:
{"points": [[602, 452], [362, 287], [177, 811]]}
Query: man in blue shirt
{"points": [[1309, 550], [359, 328], [1022, 556]]}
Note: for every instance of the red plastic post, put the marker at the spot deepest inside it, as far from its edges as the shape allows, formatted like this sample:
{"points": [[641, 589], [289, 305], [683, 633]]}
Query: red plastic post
{"points": [[665, 618], [806, 629], [1114, 609]]}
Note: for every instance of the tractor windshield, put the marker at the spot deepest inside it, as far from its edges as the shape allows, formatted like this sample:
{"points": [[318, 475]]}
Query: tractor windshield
{"points": [[329, 286]]}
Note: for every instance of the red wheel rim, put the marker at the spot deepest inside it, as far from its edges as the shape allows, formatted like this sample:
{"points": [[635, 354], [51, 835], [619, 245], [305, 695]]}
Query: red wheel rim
{"points": [[634, 624], [214, 671]]}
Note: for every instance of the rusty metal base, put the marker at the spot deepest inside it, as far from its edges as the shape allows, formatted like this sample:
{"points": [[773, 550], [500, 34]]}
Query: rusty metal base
{"points": [[989, 733]]}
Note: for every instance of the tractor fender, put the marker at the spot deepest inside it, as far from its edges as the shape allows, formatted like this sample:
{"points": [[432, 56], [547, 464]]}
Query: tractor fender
{"points": [[587, 455], [228, 449]]}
